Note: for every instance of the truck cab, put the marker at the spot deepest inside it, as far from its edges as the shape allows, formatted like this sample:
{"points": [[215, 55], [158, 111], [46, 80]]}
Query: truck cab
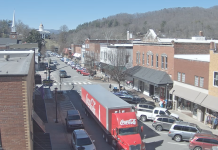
{"points": [[125, 132]]}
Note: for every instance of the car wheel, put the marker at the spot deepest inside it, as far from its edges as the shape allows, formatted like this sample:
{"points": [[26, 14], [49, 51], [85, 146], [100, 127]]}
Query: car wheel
{"points": [[197, 148], [143, 118], [82, 75], [159, 128], [177, 138]]}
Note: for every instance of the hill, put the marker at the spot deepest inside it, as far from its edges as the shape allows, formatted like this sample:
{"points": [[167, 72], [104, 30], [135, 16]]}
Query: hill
{"points": [[172, 23]]}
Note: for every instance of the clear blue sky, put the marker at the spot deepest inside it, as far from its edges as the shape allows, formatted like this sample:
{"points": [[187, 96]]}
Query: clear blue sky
{"points": [[55, 13]]}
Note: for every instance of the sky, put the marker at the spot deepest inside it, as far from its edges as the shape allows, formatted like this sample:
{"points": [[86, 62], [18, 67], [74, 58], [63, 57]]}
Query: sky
{"points": [[55, 13]]}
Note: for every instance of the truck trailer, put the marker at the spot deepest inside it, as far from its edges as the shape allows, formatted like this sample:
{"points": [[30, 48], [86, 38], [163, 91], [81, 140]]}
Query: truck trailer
{"points": [[115, 117]]}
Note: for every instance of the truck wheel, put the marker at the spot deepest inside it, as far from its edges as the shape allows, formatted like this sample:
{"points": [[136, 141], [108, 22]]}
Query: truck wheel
{"points": [[143, 118]]}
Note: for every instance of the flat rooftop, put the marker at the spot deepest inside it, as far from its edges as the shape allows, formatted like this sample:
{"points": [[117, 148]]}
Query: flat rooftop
{"points": [[17, 64], [205, 57]]}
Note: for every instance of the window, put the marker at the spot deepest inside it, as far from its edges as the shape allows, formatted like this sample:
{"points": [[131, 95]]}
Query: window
{"points": [[156, 112], [143, 58], [196, 80], [179, 76], [200, 140], [193, 129], [162, 113], [152, 59], [176, 127], [157, 61], [151, 107], [147, 59], [139, 58], [145, 106], [214, 141], [186, 129], [165, 120], [136, 58], [162, 62], [171, 121], [207, 140], [127, 58], [159, 119], [183, 77], [165, 62], [201, 81], [215, 78]]}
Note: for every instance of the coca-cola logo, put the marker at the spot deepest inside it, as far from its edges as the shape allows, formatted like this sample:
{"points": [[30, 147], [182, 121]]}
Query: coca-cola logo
{"points": [[128, 122], [90, 103]]}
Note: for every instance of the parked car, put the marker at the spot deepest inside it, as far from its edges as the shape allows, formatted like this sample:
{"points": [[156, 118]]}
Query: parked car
{"points": [[73, 120], [55, 62], [76, 67], [146, 114], [85, 73], [59, 56], [66, 60], [62, 59], [203, 141], [164, 122], [79, 70], [81, 140], [62, 73], [184, 131]]}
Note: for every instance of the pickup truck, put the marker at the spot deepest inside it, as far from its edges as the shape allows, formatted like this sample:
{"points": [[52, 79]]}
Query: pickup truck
{"points": [[143, 114]]}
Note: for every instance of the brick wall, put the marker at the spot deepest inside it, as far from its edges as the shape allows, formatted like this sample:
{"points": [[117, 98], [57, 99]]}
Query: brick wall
{"points": [[191, 48], [155, 49], [15, 110], [191, 69], [213, 90]]}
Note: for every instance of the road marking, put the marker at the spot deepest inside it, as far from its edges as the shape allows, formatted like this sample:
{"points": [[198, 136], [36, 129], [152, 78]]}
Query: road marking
{"points": [[89, 83], [79, 83], [65, 83], [84, 83], [177, 143]]}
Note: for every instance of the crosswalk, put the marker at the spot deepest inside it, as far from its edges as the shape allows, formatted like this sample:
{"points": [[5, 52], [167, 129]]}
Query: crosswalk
{"points": [[70, 83]]}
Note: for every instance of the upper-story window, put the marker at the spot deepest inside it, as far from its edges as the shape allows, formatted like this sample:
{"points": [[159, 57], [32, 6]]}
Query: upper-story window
{"points": [[127, 59], [143, 58], [196, 80], [183, 77], [166, 62], [179, 76], [162, 62], [139, 57], [152, 60], [157, 60], [147, 59], [136, 58], [215, 79], [201, 81]]}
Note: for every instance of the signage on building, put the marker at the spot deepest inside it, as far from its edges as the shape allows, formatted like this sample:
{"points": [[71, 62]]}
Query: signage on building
{"points": [[47, 82]]}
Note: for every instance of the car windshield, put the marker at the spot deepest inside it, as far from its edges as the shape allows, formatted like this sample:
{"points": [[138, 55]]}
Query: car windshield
{"points": [[75, 117], [167, 112], [84, 141], [128, 131], [199, 129]]}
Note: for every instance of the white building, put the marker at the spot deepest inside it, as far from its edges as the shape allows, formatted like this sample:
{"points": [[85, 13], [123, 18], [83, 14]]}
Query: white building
{"points": [[44, 33]]}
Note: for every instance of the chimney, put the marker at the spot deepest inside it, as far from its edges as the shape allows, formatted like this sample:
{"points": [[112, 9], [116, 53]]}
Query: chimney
{"points": [[127, 35], [212, 46], [201, 33]]}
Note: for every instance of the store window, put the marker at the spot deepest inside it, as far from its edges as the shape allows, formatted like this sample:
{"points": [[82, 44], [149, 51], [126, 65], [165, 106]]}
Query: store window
{"points": [[179, 76], [201, 81], [152, 59], [183, 104], [215, 79], [196, 80], [183, 77], [157, 60]]}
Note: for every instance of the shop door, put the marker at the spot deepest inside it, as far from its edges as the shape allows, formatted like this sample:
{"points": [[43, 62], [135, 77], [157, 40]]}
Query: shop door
{"points": [[162, 93], [151, 90]]}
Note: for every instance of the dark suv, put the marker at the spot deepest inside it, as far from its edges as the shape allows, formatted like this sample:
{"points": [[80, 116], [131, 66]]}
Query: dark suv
{"points": [[73, 120], [164, 122]]}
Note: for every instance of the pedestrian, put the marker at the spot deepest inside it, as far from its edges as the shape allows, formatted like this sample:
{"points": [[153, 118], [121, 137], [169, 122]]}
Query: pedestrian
{"points": [[165, 103], [161, 104], [110, 87]]}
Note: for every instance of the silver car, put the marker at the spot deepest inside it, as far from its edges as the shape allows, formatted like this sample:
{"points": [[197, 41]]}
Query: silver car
{"points": [[81, 140], [62, 73], [184, 131]]}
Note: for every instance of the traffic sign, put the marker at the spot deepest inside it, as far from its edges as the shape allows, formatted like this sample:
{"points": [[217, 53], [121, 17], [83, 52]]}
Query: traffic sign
{"points": [[47, 82]]}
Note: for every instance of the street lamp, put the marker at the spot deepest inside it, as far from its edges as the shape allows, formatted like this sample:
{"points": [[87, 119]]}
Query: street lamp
{"points": [[166, 100], [56, 121]]}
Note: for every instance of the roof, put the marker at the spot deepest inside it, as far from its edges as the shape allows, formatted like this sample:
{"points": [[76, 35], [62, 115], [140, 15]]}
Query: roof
{"points": [[81, 133], [18, 63], [24, 46], [205, 57], [104, 97], [7, 41], [206, 135], [152, 76]]}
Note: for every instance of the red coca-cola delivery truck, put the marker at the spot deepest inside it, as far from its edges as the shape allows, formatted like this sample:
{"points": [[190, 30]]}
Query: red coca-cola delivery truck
{"points": [[119, 124]]}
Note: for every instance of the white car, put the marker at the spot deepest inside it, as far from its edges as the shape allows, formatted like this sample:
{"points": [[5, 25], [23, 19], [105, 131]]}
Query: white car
{"points": [[59, 56], [69, 62]]}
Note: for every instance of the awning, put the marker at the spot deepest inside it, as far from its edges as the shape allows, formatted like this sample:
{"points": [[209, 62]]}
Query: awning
{"points": [[38, 120], [77, 55], [152, 76], [185, 93], [200, 98], [210, 102]]}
